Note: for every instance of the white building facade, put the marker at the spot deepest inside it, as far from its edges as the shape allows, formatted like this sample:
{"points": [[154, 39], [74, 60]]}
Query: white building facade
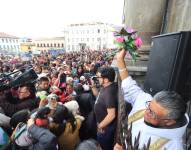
{"points": [[95, 36], [45, 44], [9, 44]]}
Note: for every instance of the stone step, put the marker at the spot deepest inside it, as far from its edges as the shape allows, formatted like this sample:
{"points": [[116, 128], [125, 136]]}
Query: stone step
{"points": [[144, 53]]}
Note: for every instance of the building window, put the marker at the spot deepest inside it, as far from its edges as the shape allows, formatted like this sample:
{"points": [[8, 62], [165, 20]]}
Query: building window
{"points": [[51, 45], [62, 44], [6, 40], [37, 45], [44, 45], [47, 44], [58, 45], [98, 31], [54, 44], [2, 40], [41, 45]]}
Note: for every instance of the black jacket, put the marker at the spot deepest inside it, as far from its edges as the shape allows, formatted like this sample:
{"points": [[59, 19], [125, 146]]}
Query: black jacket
{"points": [[10, 108]]}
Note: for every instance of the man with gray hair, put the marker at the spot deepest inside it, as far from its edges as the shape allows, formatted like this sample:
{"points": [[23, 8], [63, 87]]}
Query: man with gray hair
{"points": [[161, 119]]}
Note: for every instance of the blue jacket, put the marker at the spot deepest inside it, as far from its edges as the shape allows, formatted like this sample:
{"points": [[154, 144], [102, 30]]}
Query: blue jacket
{"points": [[45, 140]]}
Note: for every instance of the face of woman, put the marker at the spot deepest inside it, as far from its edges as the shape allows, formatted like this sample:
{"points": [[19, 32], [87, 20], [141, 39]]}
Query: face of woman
{"points": [[69, 89]]}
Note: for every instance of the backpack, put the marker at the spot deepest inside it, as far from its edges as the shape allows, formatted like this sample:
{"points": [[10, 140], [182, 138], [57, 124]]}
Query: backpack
{"points": [[21, 136]]}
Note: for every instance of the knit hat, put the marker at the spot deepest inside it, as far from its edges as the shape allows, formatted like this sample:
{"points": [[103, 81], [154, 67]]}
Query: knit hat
{"points": [[89, 144], [20, 116]]}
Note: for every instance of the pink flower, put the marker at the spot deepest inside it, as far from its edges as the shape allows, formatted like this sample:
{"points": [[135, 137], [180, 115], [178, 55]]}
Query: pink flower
{"points": [[138, 42], [130, 30], [120, 39]]}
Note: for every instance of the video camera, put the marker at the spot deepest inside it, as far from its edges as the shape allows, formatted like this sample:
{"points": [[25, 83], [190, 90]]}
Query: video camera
{"points": [[27, 75], [93, 77], [96, 81]]}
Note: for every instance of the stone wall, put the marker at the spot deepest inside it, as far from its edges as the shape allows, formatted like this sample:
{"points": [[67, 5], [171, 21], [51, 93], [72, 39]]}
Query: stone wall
{"points": [[154, 17], [177, 16]]}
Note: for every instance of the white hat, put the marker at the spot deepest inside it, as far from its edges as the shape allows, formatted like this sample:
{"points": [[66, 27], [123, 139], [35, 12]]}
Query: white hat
{"points": [[72, 106], [82, 78]]}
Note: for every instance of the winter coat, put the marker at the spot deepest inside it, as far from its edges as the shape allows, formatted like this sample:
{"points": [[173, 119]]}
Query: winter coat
{"points": [[45, 140]]}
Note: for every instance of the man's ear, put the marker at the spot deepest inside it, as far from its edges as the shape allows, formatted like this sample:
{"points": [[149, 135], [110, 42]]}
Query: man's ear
{"points": [[170, 122]]}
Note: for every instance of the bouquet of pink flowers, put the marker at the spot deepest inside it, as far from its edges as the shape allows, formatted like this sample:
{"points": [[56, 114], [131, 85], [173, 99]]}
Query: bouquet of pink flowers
{"points": [[126, 38]]}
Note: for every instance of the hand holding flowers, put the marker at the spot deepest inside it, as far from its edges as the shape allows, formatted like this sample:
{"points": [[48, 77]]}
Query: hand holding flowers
{"points": [[127, 38]]}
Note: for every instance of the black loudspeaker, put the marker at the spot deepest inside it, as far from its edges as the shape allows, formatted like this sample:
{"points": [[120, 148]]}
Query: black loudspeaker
{"points": [[169, 66]]}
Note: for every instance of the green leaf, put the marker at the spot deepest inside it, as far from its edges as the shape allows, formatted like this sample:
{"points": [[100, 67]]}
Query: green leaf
{"points": [[119, 45]]}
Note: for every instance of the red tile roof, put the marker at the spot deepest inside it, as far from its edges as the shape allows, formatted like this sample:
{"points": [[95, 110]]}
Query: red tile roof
{"points": [[5, 35]]}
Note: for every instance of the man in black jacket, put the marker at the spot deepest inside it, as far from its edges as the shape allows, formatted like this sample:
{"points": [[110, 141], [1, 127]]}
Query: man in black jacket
{"points": [[26, 99]]}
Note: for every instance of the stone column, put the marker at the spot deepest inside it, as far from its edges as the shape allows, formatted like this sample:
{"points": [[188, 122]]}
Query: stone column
{"points": [[178, 16], [145, 16]]}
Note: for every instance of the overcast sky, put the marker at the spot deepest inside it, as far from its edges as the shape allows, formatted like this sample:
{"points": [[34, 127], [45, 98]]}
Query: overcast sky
{"points": [[41, 18]]}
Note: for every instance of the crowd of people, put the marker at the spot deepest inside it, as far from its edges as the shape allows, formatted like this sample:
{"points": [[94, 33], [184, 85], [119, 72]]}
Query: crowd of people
{"points": [[73, 104], [56, 111]]}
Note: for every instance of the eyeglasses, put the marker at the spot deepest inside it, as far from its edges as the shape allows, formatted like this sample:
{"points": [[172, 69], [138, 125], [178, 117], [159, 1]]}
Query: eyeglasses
{"points": [[152, 113]]}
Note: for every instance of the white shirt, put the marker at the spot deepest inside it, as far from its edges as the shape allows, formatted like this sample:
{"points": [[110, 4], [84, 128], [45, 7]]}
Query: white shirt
{"points": [[137, 97]]}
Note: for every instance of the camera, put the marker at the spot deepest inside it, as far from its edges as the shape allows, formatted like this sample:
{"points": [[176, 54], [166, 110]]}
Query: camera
{"points": [[7, 82], [96, 81]]}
